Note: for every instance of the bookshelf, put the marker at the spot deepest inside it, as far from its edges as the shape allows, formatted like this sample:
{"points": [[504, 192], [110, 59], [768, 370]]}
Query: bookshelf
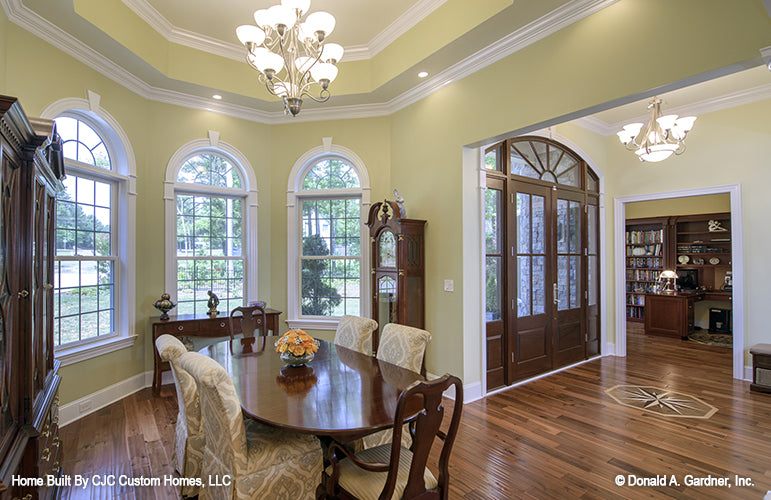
{"points": [[645, 259], [704, 249]]}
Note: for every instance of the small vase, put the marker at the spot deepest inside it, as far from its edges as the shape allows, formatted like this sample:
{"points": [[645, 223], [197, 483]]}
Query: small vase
{"points": [[290, 359]]}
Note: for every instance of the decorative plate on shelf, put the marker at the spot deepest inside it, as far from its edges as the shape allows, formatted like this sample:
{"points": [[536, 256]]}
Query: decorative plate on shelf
{"points": [[698, 261], [714, 261], [638, 251], [683, 259]]}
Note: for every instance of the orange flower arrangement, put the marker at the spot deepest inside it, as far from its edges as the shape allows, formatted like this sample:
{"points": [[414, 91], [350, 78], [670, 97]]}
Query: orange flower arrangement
{"points": [[297, 342]]}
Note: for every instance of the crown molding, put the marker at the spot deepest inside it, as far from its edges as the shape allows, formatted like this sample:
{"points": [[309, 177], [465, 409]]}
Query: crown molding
{"points": [[727, 101], [167, 30], [531, 33]]}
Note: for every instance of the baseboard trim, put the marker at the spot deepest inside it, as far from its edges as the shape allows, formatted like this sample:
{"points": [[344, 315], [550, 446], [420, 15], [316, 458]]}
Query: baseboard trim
{"points": [[79, 408]]}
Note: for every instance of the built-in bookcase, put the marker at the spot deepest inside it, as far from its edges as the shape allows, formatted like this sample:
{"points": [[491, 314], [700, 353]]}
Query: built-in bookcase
{"points": [[645, 259]]}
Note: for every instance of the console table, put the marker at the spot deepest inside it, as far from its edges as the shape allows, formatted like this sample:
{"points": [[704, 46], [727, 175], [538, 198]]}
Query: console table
{"points": [[200, 325], [672, 313]]}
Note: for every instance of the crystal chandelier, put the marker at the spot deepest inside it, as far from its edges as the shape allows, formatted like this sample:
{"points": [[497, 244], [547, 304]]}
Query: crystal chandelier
{"points": [[663, 136], [283, 41]]}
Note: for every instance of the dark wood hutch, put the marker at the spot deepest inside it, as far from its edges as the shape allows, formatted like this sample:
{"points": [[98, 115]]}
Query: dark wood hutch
{"points": [[30, 176], [398, 267]]}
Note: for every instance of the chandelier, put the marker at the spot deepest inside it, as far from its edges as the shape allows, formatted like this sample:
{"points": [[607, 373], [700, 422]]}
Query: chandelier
{"points": [[663, 136], [283, 41]]}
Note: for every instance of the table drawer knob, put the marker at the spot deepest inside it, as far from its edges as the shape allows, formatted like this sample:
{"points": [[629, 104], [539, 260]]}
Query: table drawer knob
{"points": [[180, 328], [222, 324]]}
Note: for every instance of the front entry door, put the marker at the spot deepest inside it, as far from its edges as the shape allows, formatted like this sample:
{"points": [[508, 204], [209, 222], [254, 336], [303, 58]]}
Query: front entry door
{"points": [[547, 317]]}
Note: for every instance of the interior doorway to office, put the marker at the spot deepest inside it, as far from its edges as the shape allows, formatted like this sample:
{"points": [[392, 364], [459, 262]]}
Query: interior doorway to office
{"points": [[620, 205]]}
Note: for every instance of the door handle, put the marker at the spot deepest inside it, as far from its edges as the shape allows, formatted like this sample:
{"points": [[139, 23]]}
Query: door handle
{"points": [[554, 294]]}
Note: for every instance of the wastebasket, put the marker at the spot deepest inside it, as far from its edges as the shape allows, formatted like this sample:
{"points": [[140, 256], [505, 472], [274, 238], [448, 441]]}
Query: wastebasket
{"points": [[720, 320]]}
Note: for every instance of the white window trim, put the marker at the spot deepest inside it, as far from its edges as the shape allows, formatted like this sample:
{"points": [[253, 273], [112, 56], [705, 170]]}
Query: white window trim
{"points": [[125, 173], [248, 193], [294, 195]]}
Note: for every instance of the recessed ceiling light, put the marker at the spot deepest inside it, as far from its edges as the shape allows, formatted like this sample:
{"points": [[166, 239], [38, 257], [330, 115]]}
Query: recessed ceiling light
{"points": [[423, 74], [217, 96]]}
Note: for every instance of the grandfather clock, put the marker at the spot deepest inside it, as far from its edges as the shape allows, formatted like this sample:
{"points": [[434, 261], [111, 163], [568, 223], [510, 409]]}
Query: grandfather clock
{"points": [[398, 267]]}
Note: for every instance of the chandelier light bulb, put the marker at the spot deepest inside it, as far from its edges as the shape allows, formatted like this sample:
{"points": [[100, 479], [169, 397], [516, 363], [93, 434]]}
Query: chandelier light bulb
{"points": [[250, 34], [263, 19], [301, 5], [332, 52], [282, 16], [323, 22]]}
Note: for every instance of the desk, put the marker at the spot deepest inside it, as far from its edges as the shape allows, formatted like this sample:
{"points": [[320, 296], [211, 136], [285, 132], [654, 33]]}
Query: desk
{"points": [[198, 325], [671, 314], [340, 395]]}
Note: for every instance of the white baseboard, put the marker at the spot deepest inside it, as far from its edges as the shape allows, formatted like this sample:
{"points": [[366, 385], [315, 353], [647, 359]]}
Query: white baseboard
{"points": [[79, 408], [609, 349], [472, 392], [748, 373]]}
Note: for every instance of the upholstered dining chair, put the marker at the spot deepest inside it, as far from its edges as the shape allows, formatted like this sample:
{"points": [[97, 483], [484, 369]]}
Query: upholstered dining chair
{"points": [[355, 333], [261, 461], [403, 346], [391, 470], [188, 437]]}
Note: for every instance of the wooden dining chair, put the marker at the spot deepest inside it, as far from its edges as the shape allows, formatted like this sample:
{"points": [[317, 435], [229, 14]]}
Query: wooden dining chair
{"points": [[390, 470], [355, 333], [187, 454], [250, 318], [259, 461]]}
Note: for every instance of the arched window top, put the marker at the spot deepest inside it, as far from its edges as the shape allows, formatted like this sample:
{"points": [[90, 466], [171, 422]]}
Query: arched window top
{"points": [[545, 160], [80, 142], [331, 173], [210, 169]]}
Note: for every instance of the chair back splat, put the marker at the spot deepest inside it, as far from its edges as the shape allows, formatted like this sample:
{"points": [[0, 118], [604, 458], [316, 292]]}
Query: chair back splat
{"points": [[363, 475]]}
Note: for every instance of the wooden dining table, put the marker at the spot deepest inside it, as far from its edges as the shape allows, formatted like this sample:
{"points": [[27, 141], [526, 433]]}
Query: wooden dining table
{"points": [[340, 395]]}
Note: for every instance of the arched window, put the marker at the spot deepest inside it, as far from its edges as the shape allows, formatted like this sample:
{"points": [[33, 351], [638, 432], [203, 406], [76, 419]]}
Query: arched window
{"points": [[329, 193], [94, 242], [208, 207]]}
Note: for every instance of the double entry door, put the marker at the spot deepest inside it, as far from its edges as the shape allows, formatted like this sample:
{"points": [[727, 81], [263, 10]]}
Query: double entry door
{"points": [[551, 279]]}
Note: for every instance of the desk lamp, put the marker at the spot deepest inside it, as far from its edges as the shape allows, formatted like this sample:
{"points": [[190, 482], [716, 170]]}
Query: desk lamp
{"points": [[667, 281]]}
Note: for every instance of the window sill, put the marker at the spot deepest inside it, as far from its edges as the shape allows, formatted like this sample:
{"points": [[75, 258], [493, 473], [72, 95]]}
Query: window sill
{"points": [[76, 354], [313, 324]]}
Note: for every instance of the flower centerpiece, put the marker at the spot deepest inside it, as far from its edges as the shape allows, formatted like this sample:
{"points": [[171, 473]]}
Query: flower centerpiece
{"points": [[296, 347]]}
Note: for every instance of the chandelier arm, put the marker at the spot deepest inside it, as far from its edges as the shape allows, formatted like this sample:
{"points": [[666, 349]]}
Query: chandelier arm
{"points": [[323, 96]]}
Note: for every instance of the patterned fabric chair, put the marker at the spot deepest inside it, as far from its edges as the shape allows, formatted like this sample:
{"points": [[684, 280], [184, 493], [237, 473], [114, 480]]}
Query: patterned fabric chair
{"points": [[403, 346], [262, 462], [392, 471], [355, 333], [188, 438]]}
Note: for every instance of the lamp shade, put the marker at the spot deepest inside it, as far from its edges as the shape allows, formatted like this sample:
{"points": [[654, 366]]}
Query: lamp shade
{"points": [[657, 152], [324, 71], [282, 15], [247, 33], [667, 122], [686, 122], [263, 18], [267, 60], [320, 21], [668, 274], [301, 5], [332, 52]]}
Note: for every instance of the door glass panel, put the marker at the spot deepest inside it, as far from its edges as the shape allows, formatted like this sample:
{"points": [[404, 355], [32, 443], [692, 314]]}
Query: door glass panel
{"points": [[491, 160], [539, 149], [523, 223], [562, 226], [523, 286], [570, 178], [493, 288], [575, 276], [575, 227], [591, 229], [592, 284], [539, 224], [539, 285], [563, 270], [493, 220], [387, 249]]}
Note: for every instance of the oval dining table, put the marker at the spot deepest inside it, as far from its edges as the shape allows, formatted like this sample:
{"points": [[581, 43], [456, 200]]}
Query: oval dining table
{"points": [[340, 395]]}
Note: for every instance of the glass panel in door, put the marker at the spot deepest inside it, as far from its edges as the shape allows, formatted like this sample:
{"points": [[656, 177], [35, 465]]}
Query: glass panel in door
{"points": [[569, 341]]}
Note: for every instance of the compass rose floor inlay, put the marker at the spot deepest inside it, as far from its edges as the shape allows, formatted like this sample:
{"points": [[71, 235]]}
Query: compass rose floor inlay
{"points": [[661, 401]]}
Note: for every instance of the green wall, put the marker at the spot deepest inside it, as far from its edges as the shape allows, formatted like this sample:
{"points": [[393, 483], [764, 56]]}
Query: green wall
{"points": [[690, 205], [420, 149]]}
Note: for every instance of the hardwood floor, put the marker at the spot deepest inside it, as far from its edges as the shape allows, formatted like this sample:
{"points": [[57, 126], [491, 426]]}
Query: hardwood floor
{"points": [[558, 437]]}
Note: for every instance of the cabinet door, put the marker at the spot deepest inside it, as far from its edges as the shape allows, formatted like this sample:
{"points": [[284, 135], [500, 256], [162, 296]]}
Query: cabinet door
{"points": [[9, 302], [42, 286]]}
